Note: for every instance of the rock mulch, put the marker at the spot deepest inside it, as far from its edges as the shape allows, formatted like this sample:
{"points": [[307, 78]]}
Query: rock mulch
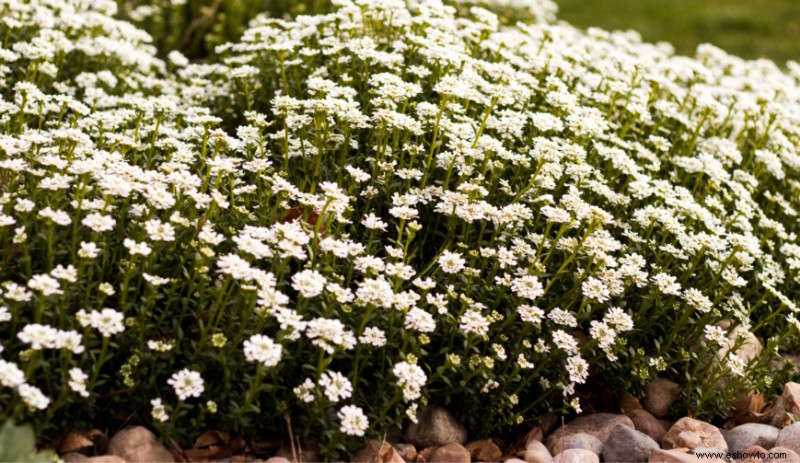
{"points": [[626, 444], [659, 396], [638, 435]]}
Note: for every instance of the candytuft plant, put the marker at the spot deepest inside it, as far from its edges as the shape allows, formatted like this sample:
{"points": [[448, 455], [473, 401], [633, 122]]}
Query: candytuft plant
{"points": [[345, 217]]}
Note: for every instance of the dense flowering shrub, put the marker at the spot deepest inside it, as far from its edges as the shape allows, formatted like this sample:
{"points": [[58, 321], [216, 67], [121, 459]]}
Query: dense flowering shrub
{"points": [[345, 217]]}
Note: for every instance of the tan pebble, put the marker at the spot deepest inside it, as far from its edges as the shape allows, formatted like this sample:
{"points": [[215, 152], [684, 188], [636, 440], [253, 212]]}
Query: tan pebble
{"points": [[106, 459], [484, 450], [74, 457], [138, 444], [450, 453], [277, 460]]}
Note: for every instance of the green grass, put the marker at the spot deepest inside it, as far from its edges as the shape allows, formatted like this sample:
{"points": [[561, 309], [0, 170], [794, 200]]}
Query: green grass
{"points": [[747, 28]]}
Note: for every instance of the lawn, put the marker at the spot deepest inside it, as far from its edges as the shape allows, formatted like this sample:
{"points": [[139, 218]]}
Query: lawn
{"points": [[748, 28]]}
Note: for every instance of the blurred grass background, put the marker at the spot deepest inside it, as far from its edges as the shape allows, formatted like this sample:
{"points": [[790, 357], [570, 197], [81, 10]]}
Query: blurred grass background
{"points": [[747, 28]]}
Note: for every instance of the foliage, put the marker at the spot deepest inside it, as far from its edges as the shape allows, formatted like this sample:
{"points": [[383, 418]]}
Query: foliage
{"points": [[190, 26], [17, 445], [344, 217]]}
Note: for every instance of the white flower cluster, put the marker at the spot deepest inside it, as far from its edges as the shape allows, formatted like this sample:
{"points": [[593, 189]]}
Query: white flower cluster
{"points": [[354, 421], [386, 187], [107, 321], [260, 348], [187, 384], [411, 378], [334, 385], [11, 376], [46, 337]]}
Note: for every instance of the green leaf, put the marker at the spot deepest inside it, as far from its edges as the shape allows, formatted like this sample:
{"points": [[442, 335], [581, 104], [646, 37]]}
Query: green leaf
{"points": [[17, 443]]}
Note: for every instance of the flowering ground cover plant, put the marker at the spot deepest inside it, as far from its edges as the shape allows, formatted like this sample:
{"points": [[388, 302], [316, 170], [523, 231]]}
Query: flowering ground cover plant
{"points": [[342, 218]]}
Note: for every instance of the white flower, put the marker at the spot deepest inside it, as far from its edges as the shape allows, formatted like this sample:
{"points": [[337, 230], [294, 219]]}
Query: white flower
{"points": [[235, 266], [107, 321], [175, 57], [411, 412], [336, 386], [24, 205], [159, 346], [716, 334], [70, 340], [490, 384], [375, 291], [565, 341], [46, 284], [523, 362], [373, 336], [473, 322], [187, 383], [68, 273], [330, 334], [696, 299], [136, 248], [291, 322], [77, 381], [59, 217], [309, 283], [33, 397], [424, 283], [419, 320], [38, 336], [404, 212], [451, 262], [374, 222], [736, 364], [530, 314], [106, 288], [341, 294], [578, 369], [260, 348], [617, 317], [16, 292], [88, 250], [411, 378], [209, 236], [357, 174], [159, 231], [499, 351], [556, 214], [99, 222], [603, 333], [562, 317], [575, 404], [211, 406], [159, 411], [354, 422], [304, 391], [253, 246], [10, 374], [595, 289], [527, 286], [667, 284], [155, 280], [244, 71]]}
